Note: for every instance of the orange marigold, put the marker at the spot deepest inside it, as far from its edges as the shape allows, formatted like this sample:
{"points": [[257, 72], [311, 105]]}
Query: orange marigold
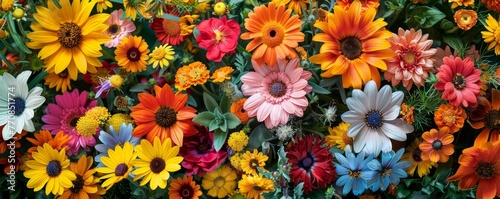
{"points": [[450, 116], [407, 113], [222, 74], [463, 3], [191, 75], [465, 19], [365, 4], [237, 109], [57, 142], [491, 4]]}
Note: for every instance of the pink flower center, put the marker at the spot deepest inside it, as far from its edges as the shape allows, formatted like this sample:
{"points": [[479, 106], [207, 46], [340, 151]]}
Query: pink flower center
{"points": [[459, 81]]}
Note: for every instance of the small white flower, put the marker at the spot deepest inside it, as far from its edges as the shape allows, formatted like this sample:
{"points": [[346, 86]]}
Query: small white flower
{"points": [[373, 116], [17, 105]]}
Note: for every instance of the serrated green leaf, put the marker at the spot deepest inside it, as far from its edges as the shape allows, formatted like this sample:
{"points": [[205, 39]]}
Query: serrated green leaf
{"points": [[427, 16], [219, 139], [454, 41], [318, 89], [210, 102], [204, 118], [232, 120]]}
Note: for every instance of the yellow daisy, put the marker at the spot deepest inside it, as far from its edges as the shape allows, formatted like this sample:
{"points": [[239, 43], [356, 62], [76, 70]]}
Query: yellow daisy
{"points": [[103, 5], [132, 53], [85, 185], [220, 182], [252, 161], [132, 6], [161, 55], [73, 43], [117, 165], [222, 74], [338, 136], [60, 81], [490, 35], [254, 186], [50, 167], [155, 162]]}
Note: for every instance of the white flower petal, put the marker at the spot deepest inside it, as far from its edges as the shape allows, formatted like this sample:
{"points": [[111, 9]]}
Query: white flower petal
{"points": [[391, 113], [28, 126], [371, 92], [352, 117], [354, 129], [7, 133], [357, 102], [384, 98], [22, 84]]}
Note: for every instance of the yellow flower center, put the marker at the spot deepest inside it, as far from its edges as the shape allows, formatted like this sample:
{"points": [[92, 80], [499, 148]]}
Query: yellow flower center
{"points": [[465, 18], [165, 117], [116, 81], [351, 47], [158, 54], [69, 35], [354, 174], [87, 126], [7, 4], [449, 117], [220, 8], [219, 181], [409, 58], [219, 36], [196, 73], [273, 34], [171, 27]]}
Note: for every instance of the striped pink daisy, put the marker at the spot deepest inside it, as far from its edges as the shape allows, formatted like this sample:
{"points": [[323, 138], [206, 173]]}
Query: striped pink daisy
{"points": [[276, 92]]}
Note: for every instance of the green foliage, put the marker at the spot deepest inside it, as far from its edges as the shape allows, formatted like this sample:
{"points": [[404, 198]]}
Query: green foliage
{"points": [[425, 17]]}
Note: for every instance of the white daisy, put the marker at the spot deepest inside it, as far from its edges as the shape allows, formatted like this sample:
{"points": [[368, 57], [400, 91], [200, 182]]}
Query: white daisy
{"points": [[17, 105], [373, 116]]}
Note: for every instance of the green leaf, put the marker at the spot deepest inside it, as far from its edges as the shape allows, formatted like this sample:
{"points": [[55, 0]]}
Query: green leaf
{"points": [[204, 118], [224, 104], [454, 41], [139, 88], [17, 38], [298, 191], [210, 102], [258, 135], [38, 78], [219, 139], [232, 120], [214, 124], [4, 59], [425, 16], [318, 89]]}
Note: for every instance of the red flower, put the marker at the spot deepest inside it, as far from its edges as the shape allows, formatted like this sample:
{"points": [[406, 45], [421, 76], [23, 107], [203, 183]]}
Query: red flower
{"points": [[459, 80], [199, 155], [311, 163], [168, 31], [218, 37]]}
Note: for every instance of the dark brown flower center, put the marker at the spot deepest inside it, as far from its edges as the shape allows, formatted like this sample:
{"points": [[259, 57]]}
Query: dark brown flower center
{"points": [[277, 88], [121, 102], [386, 172], [437, 145], [165, 117], [351, 47], [133, 54], [53, 168], [186, 191], [374, 119], [77, 184], [492, 119], [254, 163], [157, 165], [416, 155], [114, 29], [459, 81], [73, 121], [121, 169], [485, 170], [69, 35], [257, 188], [63, 74]]}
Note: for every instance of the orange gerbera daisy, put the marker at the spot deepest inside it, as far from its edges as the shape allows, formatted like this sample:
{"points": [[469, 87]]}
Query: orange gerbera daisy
{"points": [[85, 185], [57, 142], [274, 33], [164, 116], [487, 115], [346, 4], [184, 188], [437, 145], [354, 45], [480, 165], [132, 53], [450, 116]]}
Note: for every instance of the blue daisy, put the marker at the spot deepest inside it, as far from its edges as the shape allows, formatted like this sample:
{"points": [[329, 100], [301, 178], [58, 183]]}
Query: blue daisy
{"points": [[351, 170], [387, 172]]}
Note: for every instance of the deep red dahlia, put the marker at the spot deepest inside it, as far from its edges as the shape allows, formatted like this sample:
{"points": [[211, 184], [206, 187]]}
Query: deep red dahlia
{"points": [[218, 37], [311, 163], [199, 155]]}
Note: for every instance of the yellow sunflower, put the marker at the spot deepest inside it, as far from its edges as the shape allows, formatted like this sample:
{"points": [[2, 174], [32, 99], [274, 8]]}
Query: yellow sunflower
{"points": [[220, 182], [60, 81], [274, 33], [254, 186], [338, 136], [184, 188], [354, 45], [117, 165], [252, 161], [132, 6], [155, 162], [103, 5], [67, 37], [49, 167], [491, 35], [161, 55], [132, 53], [85, 185]]}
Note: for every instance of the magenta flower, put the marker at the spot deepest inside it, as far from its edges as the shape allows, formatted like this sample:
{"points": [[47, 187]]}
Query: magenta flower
{"points": [[218, 37]]}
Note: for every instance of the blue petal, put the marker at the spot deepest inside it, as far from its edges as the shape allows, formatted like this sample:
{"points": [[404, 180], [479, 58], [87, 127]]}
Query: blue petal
{"points": [[341, 170], [342, 160], [343, 180], [347, 187], [358, 186], [375, 165]]}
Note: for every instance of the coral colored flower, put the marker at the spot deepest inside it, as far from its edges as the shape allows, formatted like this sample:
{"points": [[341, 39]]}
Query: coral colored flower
{"points": [[346, 4], [274, 34], [67, 37], [472, 53], [184, 188], [172, 32], [463, 3], [118, 28], [311, 163], [199, 154], [413, 60], [491, 4], [465, 19], [164, 116], [450, 116], [459, 80], [237, 109], [354, 45], [414, 155], [220, 183], [481, 166], [486, 115], [437, 145], [490, 35], [132, 53], [276, 92], [218, 36], [12, 58], [222, 74]]}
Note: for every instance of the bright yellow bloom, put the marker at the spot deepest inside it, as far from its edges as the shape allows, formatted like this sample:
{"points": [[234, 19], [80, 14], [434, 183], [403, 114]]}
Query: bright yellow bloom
{"points": [[254, 186], [132, 6], [85, 185], [184, 188], [222, 74], [236, 160], [338, 136], [220, 182], [463, 3], [161, 55], [132, 53], [492, 34], [238, 140], [117, 119], [87, 126], [187, 25], [73, 43], [191, 75], [60, 81], [252, 161], [103, 5], [117, 165]]}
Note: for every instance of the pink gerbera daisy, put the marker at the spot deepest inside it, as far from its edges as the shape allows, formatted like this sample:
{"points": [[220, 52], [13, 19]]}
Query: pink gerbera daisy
{"points": [[218, 36], [118, 28], [64, 114], [459, 80], [413, 58], [276, 92]]}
